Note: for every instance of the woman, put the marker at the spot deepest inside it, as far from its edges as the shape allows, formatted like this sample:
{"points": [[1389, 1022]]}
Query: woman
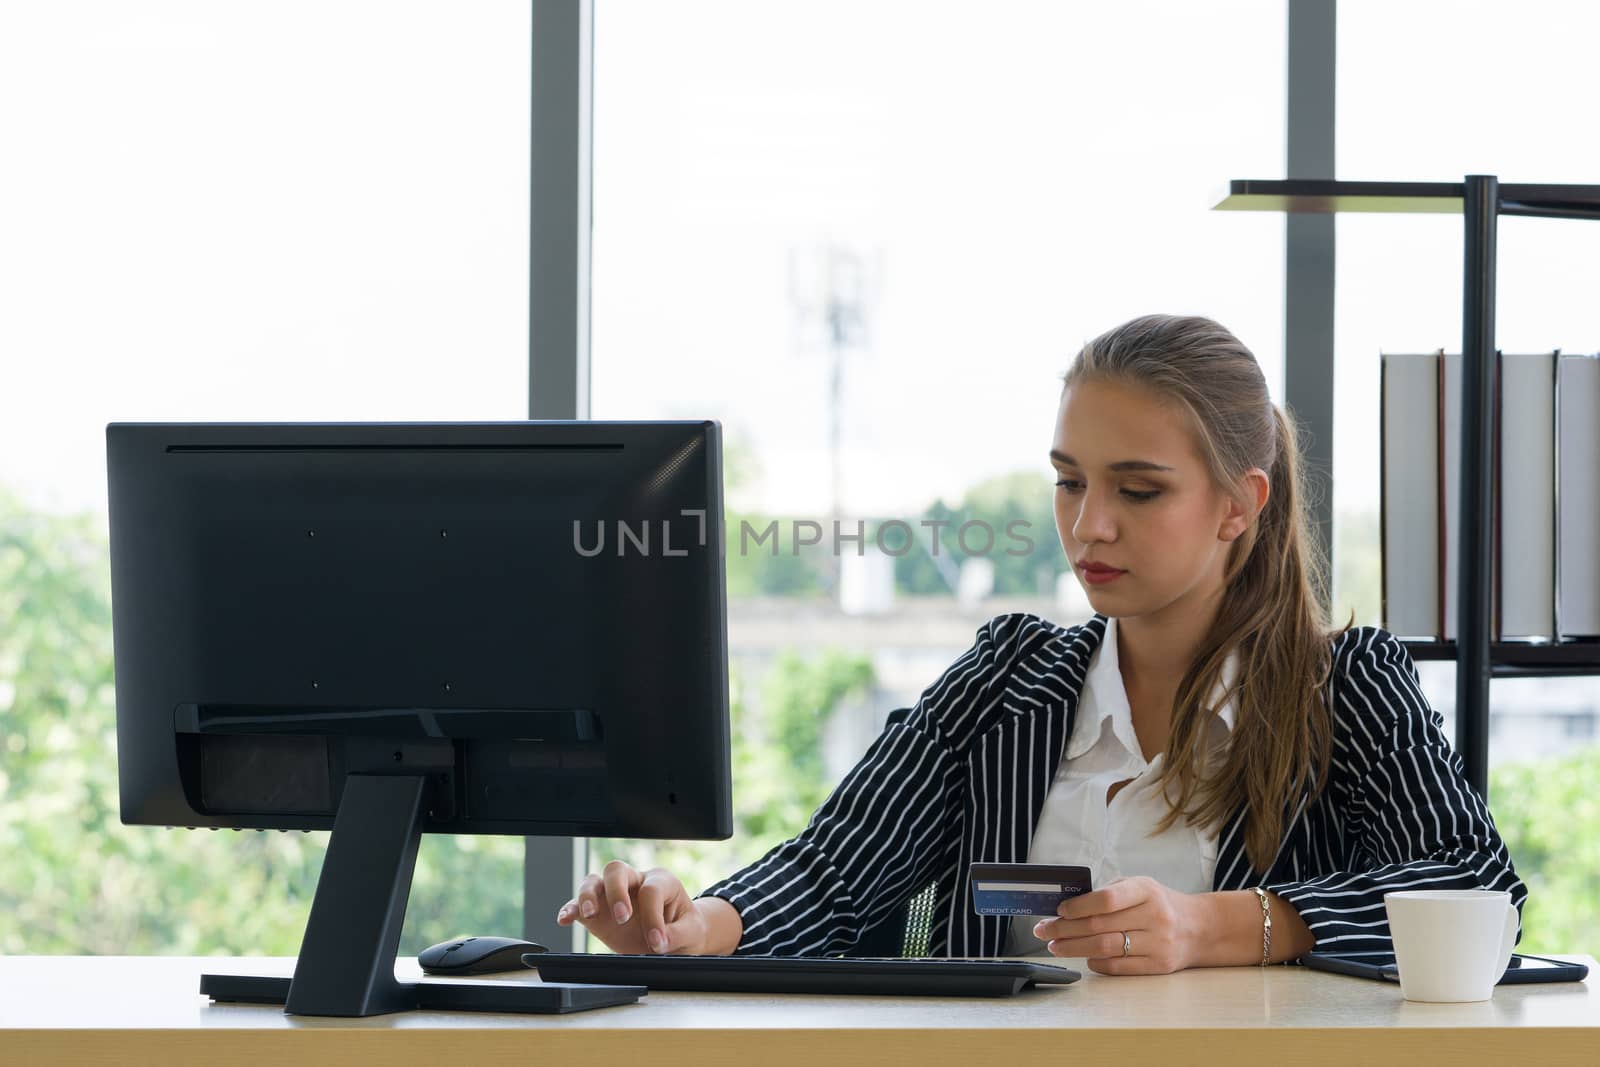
{"points": [[1244, 781]]}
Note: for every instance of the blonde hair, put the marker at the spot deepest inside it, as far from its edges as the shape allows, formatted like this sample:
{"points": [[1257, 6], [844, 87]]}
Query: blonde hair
{"points": [[1274, 609]]}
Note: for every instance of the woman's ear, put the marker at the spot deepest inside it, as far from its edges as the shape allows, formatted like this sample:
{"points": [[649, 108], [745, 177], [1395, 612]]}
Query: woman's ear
{"points": [[1254, 487]]}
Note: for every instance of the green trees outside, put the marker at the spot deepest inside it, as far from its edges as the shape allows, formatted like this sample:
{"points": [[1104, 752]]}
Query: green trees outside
{"points": [[1017, 510], [758, 564], [763, 559], [73, 879], [1549, 815], [1357, 570]]}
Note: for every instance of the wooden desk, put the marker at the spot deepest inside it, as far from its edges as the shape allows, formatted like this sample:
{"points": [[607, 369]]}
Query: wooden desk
{"points": [[124, 1010]]}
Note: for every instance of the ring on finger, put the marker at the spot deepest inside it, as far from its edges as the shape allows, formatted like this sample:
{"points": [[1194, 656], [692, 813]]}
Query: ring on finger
{"points": [[1127, 943]]}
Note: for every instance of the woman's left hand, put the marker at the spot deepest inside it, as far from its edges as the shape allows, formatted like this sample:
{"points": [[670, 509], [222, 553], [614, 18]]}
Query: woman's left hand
{"points": [[1163, 928]]}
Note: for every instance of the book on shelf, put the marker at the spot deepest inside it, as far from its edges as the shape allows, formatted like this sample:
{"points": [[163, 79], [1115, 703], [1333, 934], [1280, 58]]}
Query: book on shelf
{"points": [[1545, 540], [1408, 444], [1525, 504], [1578, 496], [1449, 502]]}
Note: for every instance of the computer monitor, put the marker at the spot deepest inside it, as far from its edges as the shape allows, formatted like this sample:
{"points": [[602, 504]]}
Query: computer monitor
{"points": [[389, 629]]}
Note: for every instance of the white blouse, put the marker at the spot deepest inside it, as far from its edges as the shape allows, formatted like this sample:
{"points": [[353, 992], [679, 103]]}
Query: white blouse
{"points": [[1077, 826]]}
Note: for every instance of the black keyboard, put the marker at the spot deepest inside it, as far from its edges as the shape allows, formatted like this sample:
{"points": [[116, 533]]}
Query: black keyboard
{"points": [[803, 974]]}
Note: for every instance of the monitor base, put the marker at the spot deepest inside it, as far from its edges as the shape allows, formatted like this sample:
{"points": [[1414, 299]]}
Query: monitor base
{"points": [[551, 998], [346, 964]]}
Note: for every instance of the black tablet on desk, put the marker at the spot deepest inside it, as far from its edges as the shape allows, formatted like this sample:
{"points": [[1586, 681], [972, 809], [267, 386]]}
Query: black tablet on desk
{"points": [[803, 974], [1522, 970]]}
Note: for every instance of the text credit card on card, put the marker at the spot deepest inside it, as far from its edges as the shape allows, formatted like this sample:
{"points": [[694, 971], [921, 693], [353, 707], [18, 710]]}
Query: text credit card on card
{"points": [[1024, 888]]}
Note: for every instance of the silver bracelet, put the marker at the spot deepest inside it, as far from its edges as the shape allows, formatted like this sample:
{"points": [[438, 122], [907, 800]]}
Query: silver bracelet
{"points": [[1266, 927]]}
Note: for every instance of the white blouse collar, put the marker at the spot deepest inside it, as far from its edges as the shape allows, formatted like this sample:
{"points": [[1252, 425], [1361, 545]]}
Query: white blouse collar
{"points": [[1105, 697]]}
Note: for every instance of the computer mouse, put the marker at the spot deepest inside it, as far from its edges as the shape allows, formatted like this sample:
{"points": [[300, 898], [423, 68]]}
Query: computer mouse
{"points": [[476, 955]]}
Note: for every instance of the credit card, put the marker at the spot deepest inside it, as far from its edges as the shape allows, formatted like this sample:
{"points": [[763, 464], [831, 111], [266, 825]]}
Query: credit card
{"points": [[1024, 888]]}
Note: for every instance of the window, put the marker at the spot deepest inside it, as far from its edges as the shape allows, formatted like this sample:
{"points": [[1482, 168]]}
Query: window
{"points": [[303, 211], [869, 239]]}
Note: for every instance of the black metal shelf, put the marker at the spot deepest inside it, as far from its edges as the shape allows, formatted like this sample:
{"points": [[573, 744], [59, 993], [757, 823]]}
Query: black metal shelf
{"points": [[1405, 198], [1481, 200], [1517, 659]]}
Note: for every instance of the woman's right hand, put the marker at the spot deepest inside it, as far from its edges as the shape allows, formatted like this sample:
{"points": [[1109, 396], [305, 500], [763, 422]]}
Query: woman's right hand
{"points": [[650, 912]]}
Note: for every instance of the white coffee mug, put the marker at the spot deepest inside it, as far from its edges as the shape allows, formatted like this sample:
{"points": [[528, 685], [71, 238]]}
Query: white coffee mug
{"points": [[1451, 944]]}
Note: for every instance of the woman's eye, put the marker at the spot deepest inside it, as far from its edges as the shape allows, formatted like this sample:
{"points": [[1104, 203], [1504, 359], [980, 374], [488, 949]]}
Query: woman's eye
{"points": [[1139, 496]]}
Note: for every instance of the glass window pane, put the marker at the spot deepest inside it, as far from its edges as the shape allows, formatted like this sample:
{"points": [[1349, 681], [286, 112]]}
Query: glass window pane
{"points": [[298, 211], [869, 238]]}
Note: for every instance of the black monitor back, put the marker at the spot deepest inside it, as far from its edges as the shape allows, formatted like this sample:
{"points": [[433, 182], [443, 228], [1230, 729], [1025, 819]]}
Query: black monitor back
{"points": [[530, 614]]}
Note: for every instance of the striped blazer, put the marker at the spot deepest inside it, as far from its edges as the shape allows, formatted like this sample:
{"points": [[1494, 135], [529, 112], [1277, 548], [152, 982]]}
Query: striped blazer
{"points": [[964, 778]]}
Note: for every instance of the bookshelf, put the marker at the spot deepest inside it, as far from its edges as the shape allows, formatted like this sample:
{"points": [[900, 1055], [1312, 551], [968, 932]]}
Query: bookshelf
{"points": [[1481, 200]]}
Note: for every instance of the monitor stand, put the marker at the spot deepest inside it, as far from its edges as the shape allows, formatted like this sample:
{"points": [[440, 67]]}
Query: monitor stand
{"points": [[346, 963]]}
